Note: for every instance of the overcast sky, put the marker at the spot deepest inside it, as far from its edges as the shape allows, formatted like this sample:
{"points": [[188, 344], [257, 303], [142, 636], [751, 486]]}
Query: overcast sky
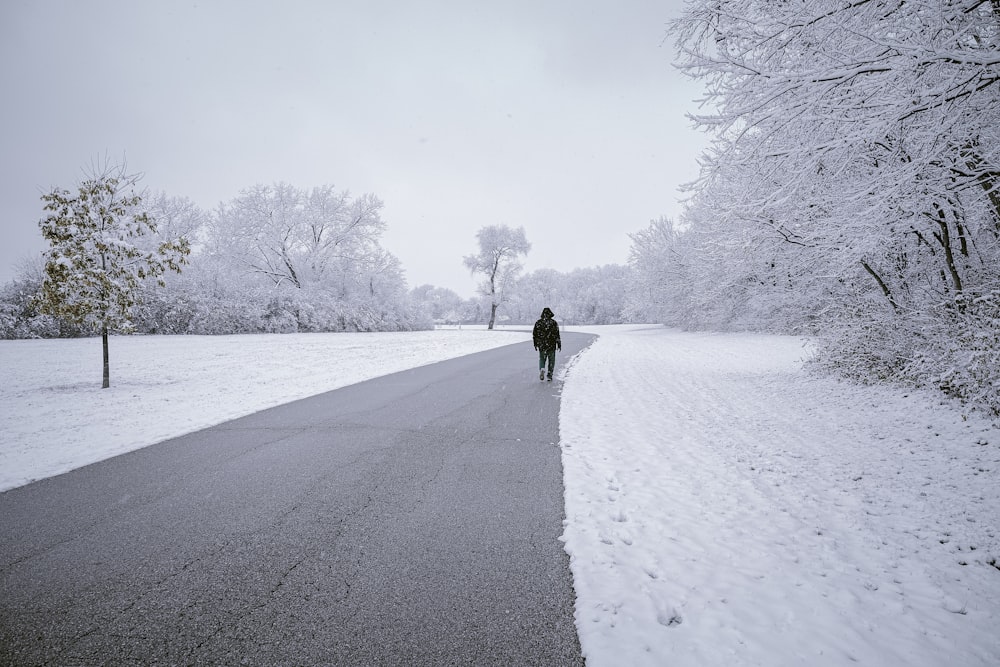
{"points": [[564, 117]]}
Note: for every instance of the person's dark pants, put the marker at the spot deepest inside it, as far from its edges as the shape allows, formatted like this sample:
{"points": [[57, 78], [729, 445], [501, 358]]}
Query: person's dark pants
{"points": [[546, 355]]}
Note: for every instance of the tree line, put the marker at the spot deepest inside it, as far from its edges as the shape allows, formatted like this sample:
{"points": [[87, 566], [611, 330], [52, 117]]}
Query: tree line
{"points": [[593, 295], [274, 259]]}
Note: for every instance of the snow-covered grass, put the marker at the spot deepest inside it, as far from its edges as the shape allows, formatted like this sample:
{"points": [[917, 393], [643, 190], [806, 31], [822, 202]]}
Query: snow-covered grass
{"points": [[55, 416], [723, 507]]}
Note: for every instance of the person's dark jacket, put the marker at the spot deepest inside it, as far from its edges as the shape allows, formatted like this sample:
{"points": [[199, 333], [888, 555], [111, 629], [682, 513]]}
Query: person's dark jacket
{"points": [[546, 332]]}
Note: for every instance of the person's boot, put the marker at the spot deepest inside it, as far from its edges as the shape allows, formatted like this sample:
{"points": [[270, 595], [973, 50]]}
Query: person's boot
{"points": [[541, 373]]}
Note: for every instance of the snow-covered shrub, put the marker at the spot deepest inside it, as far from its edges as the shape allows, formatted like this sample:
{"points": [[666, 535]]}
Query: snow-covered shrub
{"points": [[865, 347], [166, 310], [961, 352], [219, 316], [953, 346], [20, 318]]}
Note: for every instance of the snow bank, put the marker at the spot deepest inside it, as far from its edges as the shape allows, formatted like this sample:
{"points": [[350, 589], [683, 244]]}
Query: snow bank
{"points": [[723, 508]]}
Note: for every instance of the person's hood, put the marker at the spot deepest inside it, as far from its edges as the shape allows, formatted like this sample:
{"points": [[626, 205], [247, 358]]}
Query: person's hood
{"points": [[547, 314]]}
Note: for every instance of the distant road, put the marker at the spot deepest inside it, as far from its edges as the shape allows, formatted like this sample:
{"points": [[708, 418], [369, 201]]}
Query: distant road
{"points": [[409, 520]]}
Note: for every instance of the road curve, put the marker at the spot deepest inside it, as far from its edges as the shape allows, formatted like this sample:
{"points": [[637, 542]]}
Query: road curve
{"points": [[409, 520]]}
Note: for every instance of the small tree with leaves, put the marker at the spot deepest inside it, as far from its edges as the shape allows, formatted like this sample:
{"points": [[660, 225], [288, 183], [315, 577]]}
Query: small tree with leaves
{"points": [[95, 265], [499, 248]]}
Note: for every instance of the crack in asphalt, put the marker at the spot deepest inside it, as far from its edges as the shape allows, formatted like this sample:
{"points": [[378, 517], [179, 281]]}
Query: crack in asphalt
{"points": [[130, 605]]}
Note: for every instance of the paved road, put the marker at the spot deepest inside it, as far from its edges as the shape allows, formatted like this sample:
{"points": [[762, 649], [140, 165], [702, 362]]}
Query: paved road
{"points": [[410, 520]]}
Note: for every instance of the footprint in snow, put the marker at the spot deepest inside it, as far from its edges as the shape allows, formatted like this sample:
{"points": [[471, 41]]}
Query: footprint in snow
{"points": [[670, 619]]}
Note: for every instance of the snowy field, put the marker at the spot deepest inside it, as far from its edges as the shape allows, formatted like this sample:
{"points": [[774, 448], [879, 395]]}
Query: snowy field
{"points": [[723, 508]]}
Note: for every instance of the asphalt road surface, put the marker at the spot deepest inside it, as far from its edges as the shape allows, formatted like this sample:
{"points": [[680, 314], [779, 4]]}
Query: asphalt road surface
{"points": [[409, 520]]}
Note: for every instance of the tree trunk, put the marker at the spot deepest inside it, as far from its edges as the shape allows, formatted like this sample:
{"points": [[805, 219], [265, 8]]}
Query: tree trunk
{"points": [[107, 367], [881, 283], [944, 238], [493, 294]]}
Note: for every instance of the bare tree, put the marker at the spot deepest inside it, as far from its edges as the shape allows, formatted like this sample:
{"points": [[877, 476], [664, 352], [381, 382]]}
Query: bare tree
{"points": [[499, 249]]}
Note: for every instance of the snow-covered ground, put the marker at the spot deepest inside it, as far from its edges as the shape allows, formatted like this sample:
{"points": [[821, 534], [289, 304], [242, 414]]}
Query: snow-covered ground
{"points": [[723, 507]]}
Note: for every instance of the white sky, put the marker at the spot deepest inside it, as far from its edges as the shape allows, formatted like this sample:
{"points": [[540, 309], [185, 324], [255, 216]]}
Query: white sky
{"points": [[564, 117]]}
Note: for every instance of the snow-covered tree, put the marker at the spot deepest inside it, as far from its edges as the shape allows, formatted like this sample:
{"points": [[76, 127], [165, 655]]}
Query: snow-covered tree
{"points": [[659, 281], [440, 304], [595, 295], [20, 316], [592, 295], [497, 260], [853, 178], [176, 217], [298, 237], [314, 257], [536, 290], [95, 264]]}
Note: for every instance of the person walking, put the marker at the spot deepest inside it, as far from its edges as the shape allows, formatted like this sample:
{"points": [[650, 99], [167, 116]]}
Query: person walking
{"points": [[546, 338]]}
